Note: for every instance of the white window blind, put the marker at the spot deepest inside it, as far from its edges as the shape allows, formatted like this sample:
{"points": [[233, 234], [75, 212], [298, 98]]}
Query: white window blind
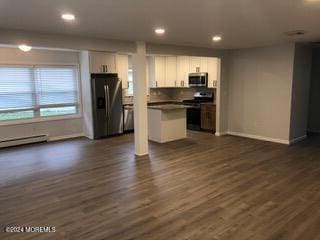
{"points": [[27, 92], [16, 88], [56, 86]]}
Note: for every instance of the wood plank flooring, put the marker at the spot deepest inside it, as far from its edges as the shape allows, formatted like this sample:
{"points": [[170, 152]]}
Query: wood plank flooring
{"points": [[204, 187]]}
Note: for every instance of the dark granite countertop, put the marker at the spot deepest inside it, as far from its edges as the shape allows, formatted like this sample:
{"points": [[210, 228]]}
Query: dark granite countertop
{"points": [[168, 107], [159, 102], [209, 103]]}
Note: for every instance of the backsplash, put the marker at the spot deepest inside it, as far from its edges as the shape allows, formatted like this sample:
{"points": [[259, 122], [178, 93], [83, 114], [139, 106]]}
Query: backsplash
{"points": [[164, 94]]}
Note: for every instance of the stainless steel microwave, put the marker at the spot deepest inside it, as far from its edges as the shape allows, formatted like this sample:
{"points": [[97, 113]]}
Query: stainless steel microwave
{"points": [[198, 79]]}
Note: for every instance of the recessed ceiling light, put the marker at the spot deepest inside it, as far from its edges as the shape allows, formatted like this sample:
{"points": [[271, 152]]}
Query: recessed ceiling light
{"points": [[68, 17], [25, 48], [216, 38], [160, 31]]}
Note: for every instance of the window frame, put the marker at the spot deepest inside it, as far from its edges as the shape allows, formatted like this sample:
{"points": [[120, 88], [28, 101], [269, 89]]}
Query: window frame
{"points": [[127, 90], [36, 110], [127, 94]]}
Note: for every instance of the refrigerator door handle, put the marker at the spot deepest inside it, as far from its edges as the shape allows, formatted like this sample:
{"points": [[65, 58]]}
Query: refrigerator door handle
{"points": [[106, 97]]}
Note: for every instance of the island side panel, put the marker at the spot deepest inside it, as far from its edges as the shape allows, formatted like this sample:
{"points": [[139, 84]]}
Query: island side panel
{"points": [[173, 125], [154, 125]]}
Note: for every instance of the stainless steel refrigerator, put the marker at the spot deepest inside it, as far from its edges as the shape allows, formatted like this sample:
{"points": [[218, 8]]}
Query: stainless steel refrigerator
{"points": [[107, 105]]}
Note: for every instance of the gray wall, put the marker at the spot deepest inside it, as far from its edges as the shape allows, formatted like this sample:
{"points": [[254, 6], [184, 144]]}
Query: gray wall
{"points": [[259, 91], [54, 128], [314, 109], [17, 37], [300, 91]]}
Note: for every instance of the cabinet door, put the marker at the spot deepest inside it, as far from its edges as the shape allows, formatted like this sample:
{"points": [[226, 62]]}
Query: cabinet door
{"points": [[208, 117], [203, 64], [122, 69], [95, 62], [195, 64], [213, 66], [171, 72], [151, 71], [182, 71], [102, 62], [110, 61], [160, 71]]}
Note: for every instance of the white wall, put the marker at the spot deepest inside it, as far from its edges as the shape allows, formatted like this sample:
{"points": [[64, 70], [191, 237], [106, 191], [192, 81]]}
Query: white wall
{"points": [[36, 56], [86, 95], [314, 109], [300, 92], [259, 92], [55, 129], [17, 37]]}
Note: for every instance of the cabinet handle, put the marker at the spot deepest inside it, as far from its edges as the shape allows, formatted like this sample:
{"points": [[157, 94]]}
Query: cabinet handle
{"points": [[128, 84], [175, 83], [156, 83], [182, 83]]}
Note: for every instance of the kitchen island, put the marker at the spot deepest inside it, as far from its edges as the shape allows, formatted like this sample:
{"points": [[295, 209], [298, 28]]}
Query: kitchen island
{"points": [[167, 122]]}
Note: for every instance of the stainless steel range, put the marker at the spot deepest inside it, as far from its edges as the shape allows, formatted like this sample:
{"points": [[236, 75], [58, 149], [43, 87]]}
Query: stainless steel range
{"points": [[194, 113]]}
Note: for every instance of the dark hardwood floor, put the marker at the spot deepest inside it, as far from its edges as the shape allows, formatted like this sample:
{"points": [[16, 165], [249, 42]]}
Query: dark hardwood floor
{"points": [[200, 188]]}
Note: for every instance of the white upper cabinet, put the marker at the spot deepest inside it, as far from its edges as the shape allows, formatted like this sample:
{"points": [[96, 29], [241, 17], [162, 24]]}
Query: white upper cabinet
{"points": [[157, 71], [213, 72], [182, 71], [203, 64], [171, 71], [198, 64], [122, 64], [194, 64], [102, 62]]}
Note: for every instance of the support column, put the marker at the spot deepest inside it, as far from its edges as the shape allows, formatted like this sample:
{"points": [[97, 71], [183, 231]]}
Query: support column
{"points": [[139, 64]]}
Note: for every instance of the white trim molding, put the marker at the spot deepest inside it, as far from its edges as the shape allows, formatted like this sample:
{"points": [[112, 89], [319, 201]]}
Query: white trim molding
{"points": [[76, 135], [219, 134], [268, 139], [298, 139]]}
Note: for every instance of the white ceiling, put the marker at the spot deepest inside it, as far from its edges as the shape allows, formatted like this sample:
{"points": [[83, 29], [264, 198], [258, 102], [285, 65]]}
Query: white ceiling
{"points": [[243, 23]]}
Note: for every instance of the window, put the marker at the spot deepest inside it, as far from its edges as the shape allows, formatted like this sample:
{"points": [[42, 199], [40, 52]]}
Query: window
{"points": [[38, 92], [130, 82]]}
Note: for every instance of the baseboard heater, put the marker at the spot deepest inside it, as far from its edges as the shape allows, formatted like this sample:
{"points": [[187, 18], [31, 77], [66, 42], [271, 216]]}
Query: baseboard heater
{"points": [[23, 140]]}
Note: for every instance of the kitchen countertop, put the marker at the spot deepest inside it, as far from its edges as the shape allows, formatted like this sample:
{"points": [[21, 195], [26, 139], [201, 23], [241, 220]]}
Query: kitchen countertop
{"points": [[168, 102], [209, 103], [159, 102], [168, 107]]}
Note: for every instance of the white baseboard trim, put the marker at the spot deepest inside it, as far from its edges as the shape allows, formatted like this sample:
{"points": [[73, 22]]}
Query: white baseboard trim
{"points": [[219, 134], [51, 139], [275, 140], [141, 155], [298, 139]]}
